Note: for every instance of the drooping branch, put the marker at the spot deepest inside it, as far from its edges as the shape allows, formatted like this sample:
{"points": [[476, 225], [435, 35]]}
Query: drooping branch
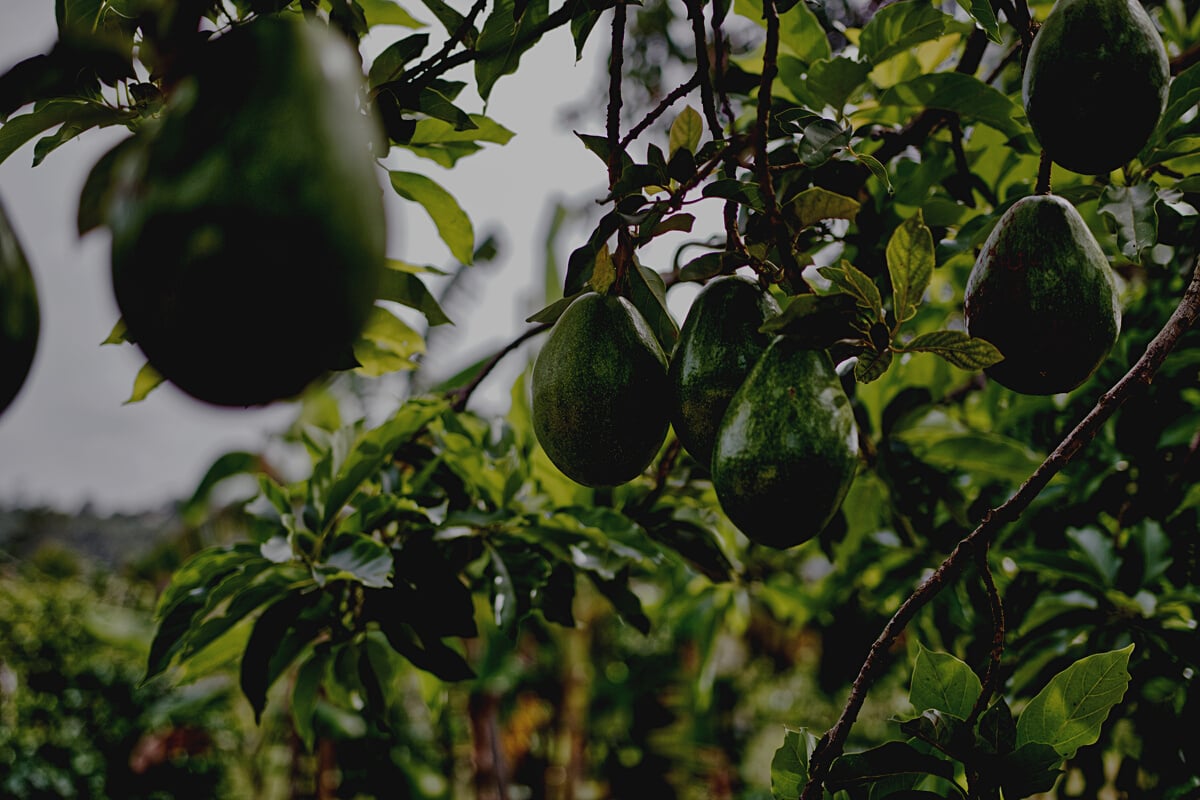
{"points": [[1138, 376]]}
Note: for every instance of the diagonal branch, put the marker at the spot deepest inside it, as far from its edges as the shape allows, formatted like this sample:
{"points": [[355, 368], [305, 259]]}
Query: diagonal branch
{"points": [[1139, 376]]}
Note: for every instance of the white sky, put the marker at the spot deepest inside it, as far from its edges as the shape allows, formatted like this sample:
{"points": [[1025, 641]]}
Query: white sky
{"points": [[68, 439]]}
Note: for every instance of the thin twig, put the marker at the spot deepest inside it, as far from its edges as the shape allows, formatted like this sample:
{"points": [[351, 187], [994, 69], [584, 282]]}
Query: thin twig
{"points": [[679, 91], [459, 397], [455, 38], [992, 674], [1044, 169], [615, 59], [1139, 376], [707, 101]]}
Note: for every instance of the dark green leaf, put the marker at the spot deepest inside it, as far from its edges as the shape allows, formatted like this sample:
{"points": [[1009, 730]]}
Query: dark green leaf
{"points": [[389, 64], [703, 267], [504, 39], [698, 546], [965, 95], [360, 557], [947, 732], [898, 27], [822, 140], [789, 766], [742, 192], [981, 11], [309, 678], [998, 729], [872, 365], [81, 114], [430, 654], [1030, 769], [887, 760], [583, 259], [401, 285], [648, 295], [834, 80], [226, 466], [1182, 97], [438, 106], [957, 347], [877, 169], [277, 638], [627, 604], [854, 282], [818, 320]]}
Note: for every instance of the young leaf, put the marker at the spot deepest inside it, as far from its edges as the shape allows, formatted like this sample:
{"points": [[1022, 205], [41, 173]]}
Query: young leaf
{"points": [[856, 283], [887, 760], [910, 261], [685, 131], [401, 285], [816, 203], [789, 767], [942, 682], [872, 364], [877, 169], [981, 11], [1068, 713], [453, 224], [898, 27], [146, 381], [1133, 212], [957, 347], [386, 344]]}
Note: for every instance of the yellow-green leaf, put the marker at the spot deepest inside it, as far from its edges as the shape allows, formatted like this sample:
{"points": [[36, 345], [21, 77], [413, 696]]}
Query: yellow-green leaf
{"points": [[685, 131], [815, 204], [145, 382], [910, 261], [453, 224]]}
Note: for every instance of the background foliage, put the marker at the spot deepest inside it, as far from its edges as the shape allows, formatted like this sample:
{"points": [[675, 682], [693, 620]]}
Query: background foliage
{"points": [[427, 608]]}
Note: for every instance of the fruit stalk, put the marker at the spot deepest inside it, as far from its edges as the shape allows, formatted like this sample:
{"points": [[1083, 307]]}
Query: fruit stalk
{"points": [[1139, 376]]}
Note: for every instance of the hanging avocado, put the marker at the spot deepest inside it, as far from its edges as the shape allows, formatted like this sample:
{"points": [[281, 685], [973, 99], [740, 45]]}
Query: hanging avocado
{"points": [[1095, 83], [600, 393], [787, 448], [248, 227], [20, 321], [718, 345], [1043, 293]]}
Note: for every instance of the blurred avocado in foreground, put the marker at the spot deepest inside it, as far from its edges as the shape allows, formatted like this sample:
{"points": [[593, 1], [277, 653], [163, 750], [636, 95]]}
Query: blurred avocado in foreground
{"points": [[600, 392], [20, 319], [718, 345], [248, 224]]}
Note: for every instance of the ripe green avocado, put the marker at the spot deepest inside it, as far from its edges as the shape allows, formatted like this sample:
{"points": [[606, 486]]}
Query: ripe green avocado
{"points": [[248, 226], [1095, 83], [20, 321], [718, 345], [1043, 293], [600, 392], [787, 448]]}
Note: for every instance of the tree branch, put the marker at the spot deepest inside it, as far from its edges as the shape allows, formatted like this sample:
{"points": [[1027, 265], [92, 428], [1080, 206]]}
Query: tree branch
{"points": [[1140, 375], [459, 397]]}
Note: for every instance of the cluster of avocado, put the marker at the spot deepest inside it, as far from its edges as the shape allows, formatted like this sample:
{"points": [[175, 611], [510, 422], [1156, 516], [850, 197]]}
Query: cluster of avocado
{"points": [[768, 416], [248, 228], [1042, 290], [20, 319]]}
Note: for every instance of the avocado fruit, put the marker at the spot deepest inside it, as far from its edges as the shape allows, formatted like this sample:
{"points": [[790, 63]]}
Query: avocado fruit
{"points": [[20, 318], [248, 224], [600, 395], [718, 345], [787, 448], [1095, 83], [1043, 293]]}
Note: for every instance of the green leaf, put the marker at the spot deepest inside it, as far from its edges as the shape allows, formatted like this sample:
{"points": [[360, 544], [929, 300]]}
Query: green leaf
{"points": [[822, 140], [386, 12], [898, 27], [360, 557], [387, 344], [1030, 769], [482, 129], [401, 285], [78, 16], [886, 761], [833, 81], [1182, 97], [1069, 712], [817, 203], [309, 678], [97, 189], [278, 636], [872, 364], [789, 766], [118, 334], [947, 732], [452, 20], [389, 64], [648, 294], [453, 225], [800, 32], [981, 11], [146, 381], [942, 682], [877, 169], [685, 131], [439, 106], [818, 320], [744, 192], [965, 95], [856, 283], [958, 348], [505, 37], [1133, 212], [81, 114], [910, 261]]}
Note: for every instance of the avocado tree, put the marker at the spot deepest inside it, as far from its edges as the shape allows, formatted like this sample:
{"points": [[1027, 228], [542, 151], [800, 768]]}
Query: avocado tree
{"points": [[934, 410]]}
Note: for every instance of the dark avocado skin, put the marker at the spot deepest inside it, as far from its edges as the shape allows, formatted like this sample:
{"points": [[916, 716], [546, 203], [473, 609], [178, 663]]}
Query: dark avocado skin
{"points": [[20, 320], [1095, 83], [787, 448], [248, 226], [718, 345], [600, 392], [1043, 293]]}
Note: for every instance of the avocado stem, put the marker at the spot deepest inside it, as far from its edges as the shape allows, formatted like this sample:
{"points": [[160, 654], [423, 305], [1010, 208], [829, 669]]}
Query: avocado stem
{"points": [[1043, 180]]}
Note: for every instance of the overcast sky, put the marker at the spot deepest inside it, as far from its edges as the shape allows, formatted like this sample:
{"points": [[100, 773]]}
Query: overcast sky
{"points": [[68, 439]]}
